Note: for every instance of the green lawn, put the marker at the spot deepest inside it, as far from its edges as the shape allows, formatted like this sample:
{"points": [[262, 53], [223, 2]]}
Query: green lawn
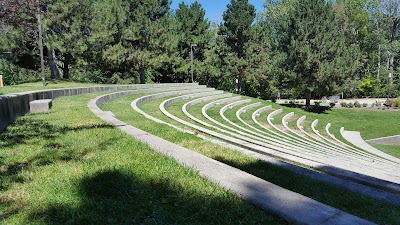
{"points": [[68, 167], [52, 84]]}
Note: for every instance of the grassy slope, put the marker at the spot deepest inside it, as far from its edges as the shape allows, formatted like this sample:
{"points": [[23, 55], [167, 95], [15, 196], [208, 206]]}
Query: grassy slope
{"points": [[52, 84], [68, 167], [364, 207]]}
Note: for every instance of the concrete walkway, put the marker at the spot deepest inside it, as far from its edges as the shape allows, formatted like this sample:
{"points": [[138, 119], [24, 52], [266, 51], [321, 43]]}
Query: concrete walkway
{"points": [[355, 138], [284, 203], [391, 140]]}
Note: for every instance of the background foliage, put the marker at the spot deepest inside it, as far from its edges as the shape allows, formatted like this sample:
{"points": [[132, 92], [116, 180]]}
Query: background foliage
{"points": [[290, 50]]}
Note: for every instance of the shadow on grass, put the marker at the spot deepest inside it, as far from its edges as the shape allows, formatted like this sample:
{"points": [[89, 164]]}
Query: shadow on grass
{"points": [[118, 197], [27, 128], [312, 108]]}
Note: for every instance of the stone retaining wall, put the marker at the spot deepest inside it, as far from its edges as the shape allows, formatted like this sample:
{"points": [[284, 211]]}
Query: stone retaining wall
{"points": [[15, 105]]}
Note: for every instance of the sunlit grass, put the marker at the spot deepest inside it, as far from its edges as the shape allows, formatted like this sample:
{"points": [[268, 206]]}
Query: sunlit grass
{"points": [[69, 167], [51, 84]]}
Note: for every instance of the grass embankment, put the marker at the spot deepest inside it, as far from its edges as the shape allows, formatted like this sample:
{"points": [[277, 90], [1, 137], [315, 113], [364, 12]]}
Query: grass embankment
{"points": [[348, 201], [52, 84], [68, 167]]}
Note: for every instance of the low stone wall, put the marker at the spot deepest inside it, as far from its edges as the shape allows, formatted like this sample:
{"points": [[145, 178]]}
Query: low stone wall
{"points": [[16, 105]]}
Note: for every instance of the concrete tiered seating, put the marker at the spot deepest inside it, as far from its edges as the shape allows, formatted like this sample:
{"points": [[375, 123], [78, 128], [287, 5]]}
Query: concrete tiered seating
{"points": [[267, 196], [283, 145], [236, 133]]}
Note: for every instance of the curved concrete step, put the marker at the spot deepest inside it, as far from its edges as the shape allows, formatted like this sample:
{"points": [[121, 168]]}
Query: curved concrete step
{"points": [[276, 140], [322, 167], [351, 163], [350, 151], [326, 143], [392, 174]]}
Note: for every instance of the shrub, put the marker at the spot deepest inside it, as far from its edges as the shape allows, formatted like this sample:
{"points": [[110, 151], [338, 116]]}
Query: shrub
{"points": [[302, 102], [286, 102], [343, 104], [350, 105], [395, 103], [357, 104], [387, 103], [317, 103], [332, 104], [365, 104]]}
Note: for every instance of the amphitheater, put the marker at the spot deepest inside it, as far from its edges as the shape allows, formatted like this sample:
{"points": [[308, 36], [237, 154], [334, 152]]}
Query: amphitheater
{"points": [[253, 129]]}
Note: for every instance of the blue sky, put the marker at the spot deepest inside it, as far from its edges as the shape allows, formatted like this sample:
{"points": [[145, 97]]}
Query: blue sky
{"points": [[215, 8]]}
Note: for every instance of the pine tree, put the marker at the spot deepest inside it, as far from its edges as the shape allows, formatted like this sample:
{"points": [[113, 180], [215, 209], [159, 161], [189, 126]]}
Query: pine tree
{"points": [[67, 25], [235, 30], [192, 29], [147, 35], [309, 51]]}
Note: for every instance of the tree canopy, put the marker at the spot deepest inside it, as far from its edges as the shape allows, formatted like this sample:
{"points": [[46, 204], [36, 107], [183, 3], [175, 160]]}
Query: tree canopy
{"points": [[292, 49]]}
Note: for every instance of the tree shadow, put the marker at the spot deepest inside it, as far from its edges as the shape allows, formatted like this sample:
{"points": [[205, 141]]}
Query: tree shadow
{"points": [[27, 128], [319, 109], [118, 197]]}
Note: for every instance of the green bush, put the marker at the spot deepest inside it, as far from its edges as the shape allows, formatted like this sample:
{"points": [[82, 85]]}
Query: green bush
{"points": [[317, 103], [395, 103], [364, 104], [357, 104], [378, 104], [13, 74], [343, 104], [350, 105]]}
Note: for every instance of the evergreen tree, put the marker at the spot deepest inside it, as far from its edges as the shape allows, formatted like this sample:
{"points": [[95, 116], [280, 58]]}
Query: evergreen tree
{"points": [[310, 54], [235, 31], [147, 35], [107, 51], [192, 29], [67, 25]]}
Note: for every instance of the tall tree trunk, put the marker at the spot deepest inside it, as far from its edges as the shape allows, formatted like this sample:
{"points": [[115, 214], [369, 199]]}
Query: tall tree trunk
{"points": [[55, 73], [142, 74], [67, 60], [308, 98], [239, 83], [393, 31]]}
